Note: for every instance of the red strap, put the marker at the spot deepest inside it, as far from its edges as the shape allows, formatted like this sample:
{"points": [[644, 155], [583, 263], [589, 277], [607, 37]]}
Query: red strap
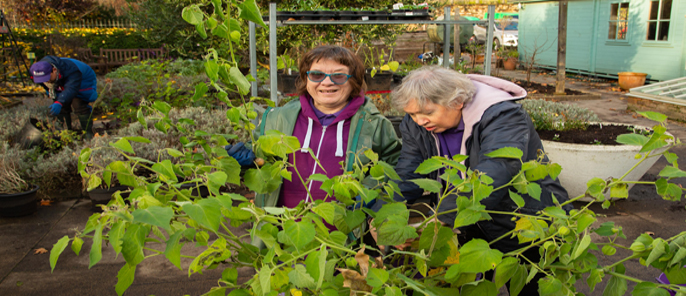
{"points": [[56, 102]]}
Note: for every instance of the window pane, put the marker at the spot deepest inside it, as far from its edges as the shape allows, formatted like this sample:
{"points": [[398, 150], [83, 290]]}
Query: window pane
{"points": [[664, 31], [624, 11], [653, 10], [621, 30], [613, 30], [613, 11], [666, 9], [652, 26]]}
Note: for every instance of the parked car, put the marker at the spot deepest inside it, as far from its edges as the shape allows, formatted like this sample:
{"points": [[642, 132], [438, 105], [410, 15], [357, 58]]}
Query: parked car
{"points": [[509, 36]]}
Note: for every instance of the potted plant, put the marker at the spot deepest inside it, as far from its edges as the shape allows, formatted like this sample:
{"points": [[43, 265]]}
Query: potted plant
{"points": [[510, 62], [17, 197], [288, 74], [380, 69], [602, 159]]}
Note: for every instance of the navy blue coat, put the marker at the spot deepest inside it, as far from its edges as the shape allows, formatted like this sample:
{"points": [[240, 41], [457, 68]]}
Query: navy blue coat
{"points": [[76, 79]]}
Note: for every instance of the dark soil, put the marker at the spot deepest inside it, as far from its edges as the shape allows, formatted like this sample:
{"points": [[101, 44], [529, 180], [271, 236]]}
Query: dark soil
{"points": [[544, 89], [593, 135]]}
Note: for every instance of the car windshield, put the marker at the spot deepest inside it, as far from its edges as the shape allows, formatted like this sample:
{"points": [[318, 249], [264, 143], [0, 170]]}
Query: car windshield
{"points": [[511, 26]]}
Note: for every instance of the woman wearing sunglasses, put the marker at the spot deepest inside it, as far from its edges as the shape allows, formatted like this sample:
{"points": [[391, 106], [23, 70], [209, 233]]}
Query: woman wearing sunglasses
{"points": [[332, 118]]}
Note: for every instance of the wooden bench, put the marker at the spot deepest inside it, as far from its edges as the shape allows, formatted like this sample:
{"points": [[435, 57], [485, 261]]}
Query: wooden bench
{"points": [[120, 57], [86, 55]]}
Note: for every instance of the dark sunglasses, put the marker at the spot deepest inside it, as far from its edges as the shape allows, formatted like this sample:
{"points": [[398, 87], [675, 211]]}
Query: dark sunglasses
{"points": [[336, 78]]}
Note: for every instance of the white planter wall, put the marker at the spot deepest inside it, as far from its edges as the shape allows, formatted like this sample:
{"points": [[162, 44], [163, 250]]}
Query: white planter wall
{"points": [[582, 162]]}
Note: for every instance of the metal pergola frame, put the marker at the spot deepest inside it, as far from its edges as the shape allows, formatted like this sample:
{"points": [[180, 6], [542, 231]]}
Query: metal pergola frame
{"points": [[447, 22]]}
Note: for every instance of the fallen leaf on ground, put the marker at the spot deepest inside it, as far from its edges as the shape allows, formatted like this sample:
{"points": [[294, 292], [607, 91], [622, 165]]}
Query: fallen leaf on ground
{"points": [[650, 233], [45, 202], [40, 251], [622, 214]]}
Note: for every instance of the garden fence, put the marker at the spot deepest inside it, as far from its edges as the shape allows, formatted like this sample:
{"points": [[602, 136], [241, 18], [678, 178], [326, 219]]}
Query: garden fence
{"points": [[81, 24]]}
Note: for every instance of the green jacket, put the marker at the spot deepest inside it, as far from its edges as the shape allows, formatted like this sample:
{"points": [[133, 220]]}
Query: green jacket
{"points": [[368, 129]]}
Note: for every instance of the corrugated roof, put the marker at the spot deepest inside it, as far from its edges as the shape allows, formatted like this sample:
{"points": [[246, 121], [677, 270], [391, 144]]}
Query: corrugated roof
{"points": [[670, 91]]}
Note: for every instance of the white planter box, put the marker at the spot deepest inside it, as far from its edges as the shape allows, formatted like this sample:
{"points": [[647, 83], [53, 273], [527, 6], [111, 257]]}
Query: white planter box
{"points": [[582, 162]]}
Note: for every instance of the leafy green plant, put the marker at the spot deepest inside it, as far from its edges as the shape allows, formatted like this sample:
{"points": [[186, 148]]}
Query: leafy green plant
{"points": [[556, 116], [375, 59], [303, 254], [287, 64]]}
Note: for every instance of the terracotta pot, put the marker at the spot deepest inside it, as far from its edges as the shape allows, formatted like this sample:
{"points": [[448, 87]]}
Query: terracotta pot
{"points": [[480, 58], [628, 80], [510, 64]]}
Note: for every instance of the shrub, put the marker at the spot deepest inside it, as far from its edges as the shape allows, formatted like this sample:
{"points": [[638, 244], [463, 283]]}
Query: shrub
{"points": [[12, 120], [555, 116], [173, 82]]}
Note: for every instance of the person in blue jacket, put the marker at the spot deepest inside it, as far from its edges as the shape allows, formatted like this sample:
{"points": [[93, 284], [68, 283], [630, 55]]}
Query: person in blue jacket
{"points": [[70, 84]]}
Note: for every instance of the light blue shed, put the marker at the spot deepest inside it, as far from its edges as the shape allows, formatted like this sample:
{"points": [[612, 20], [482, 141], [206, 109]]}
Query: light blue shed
{"points": [[605, 37]]}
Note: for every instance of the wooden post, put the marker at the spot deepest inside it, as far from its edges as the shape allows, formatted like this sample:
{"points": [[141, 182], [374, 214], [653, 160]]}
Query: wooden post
{"points": [[561, 49]]}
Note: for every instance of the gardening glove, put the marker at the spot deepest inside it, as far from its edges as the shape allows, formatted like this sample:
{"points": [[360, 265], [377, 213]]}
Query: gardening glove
{"points": [[242, 154], [55, 108]]}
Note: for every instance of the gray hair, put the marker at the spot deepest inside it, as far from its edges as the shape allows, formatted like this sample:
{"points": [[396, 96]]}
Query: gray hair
{"points": [[433, 84]]}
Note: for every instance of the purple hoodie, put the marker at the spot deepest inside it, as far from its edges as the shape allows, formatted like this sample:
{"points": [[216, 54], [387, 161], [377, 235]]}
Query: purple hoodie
{"points": [[328, 143]]}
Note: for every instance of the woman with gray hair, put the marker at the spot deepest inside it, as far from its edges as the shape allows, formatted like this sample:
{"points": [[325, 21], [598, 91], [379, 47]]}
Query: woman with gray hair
{"points": [[449, 113]]}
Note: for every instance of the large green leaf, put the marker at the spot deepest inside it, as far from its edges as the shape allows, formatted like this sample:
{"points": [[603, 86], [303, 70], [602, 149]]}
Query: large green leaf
{"points": [[506, 152], [250, 12], [162, 106], [395, 232], [300, 278], [389, 210], [632, 139], [115, 235], [485, 288], [672, 172], [581, 246], [655, 116], [96, 248], [173, 249], [443, 235], [123, 145], [212, 69], [239, 80], [207, 212], [429, 166], [158, 216], [506, 269], [551, 286], [125, 278], [467, 217], [299, 233], [264, 179], [215, 181], [616, 286], [477, 256], [595, 277], [428, 185], [133, 242], [648, 289], [192, 14], [57, 250], [377, 277], [326, 210]]}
